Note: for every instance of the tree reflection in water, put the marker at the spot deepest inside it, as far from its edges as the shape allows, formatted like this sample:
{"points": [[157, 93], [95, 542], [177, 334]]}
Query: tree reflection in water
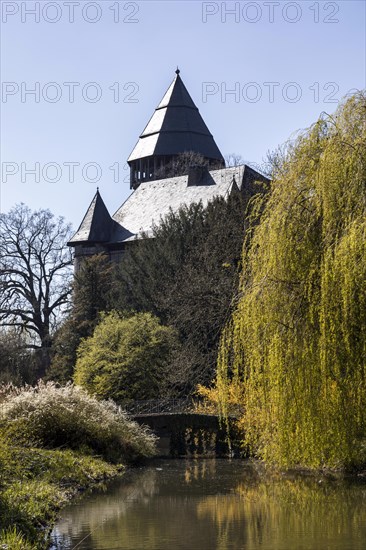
{"points": [[216, 504]]}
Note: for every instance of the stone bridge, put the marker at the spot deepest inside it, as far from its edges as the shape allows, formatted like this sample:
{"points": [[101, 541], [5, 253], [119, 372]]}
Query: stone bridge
{"points": [[184, 429]]}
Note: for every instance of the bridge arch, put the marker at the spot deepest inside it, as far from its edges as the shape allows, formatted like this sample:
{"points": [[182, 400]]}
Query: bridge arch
{"points": [[183, 430]]}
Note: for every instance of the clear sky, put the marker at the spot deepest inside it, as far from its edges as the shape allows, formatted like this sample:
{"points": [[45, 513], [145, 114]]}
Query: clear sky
{"points": [[99, 69]]}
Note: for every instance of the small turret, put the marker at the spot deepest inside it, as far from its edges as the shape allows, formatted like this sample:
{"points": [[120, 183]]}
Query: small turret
{"points": [[94, 232]]}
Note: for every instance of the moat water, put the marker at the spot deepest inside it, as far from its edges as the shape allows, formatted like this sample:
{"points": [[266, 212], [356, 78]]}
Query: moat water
{"points": [[217, 504]]}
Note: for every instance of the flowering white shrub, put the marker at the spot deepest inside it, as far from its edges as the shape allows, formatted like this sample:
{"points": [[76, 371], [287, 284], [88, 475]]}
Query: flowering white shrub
{"points": [[8, 389], [51, 416]]}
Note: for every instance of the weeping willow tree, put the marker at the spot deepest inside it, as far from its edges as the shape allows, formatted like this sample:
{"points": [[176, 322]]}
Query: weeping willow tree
{"points": [[295, 347]]}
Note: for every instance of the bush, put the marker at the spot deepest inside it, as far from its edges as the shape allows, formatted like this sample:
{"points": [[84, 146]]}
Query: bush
{"points": [[126, 358], [49, 416]]}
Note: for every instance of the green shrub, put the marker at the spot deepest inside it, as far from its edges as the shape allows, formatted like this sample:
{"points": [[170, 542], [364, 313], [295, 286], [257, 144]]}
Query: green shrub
{"points": [[49, 416], [126, 358]]}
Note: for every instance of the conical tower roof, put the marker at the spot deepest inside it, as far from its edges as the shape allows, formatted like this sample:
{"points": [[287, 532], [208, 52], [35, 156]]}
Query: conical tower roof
{"points": [[175, 127], [97, 225]]}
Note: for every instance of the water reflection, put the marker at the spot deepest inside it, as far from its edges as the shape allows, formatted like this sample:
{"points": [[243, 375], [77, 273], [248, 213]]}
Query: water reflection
{"points": [[216, 504]]}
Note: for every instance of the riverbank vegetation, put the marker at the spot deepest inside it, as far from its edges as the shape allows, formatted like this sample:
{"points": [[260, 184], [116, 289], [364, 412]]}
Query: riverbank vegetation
{"points": [[295, 347], [55, 442], [264, 290], [127, 357]]}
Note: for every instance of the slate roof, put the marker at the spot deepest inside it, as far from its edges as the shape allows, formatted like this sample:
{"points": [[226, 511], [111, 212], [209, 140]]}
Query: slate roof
{"points": [[153, 200], [175, 127], [97, 224]]}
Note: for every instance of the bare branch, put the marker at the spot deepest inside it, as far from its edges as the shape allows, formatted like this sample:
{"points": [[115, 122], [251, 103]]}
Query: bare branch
{"points": [[35, 270]]}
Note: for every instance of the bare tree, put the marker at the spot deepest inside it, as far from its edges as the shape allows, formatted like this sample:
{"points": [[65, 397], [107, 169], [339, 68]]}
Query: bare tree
{"points": [[35, 272], [180, 165], [233, 159], [266, 169]]}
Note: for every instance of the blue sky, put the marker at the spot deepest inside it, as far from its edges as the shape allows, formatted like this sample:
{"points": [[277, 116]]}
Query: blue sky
{"points": [[284, 63]]}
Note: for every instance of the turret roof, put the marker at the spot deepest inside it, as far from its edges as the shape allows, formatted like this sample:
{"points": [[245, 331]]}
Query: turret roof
{"points": [[176, 127]]}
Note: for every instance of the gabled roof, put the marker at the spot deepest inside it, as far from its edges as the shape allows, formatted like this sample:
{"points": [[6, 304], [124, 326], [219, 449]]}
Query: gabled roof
{"points": [[153, 200], [175, 127], [97, 225]]}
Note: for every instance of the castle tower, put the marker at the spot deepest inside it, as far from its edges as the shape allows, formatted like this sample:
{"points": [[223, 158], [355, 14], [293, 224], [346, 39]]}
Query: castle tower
{"points": [[175, 127]]}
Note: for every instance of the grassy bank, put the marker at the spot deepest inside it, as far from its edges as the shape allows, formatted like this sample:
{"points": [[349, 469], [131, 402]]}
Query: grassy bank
{"points": [[54, 443], [35, 484]]}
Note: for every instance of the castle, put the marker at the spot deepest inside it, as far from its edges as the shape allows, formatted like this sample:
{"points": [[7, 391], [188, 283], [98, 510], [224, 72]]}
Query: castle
{"points": [[176, 127]]}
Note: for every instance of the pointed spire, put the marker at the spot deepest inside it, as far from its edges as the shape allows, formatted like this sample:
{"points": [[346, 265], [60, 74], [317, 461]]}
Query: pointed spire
{"points": [[175, 127], [97, 225], [176, 95]]}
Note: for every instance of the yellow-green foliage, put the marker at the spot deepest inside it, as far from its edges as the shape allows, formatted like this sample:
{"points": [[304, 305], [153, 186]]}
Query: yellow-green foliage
{"points": [[126, 358], [297, 340]]}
